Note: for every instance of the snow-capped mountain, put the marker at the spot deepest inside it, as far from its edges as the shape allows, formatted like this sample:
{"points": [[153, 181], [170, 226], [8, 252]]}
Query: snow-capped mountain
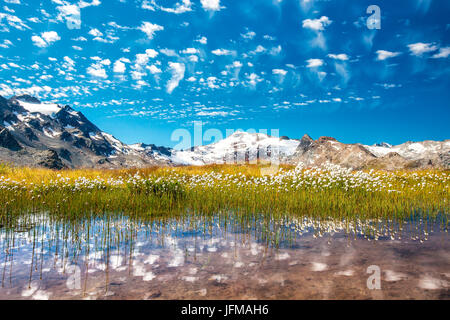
{"points": [[424, 153], [52, 135], [383, 144], [239, 147], [383, 156], [33, 133], [243, 147]]}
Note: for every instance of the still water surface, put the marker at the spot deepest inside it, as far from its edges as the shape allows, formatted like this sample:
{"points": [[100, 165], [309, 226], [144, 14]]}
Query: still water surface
{"points": [[223, 258]]}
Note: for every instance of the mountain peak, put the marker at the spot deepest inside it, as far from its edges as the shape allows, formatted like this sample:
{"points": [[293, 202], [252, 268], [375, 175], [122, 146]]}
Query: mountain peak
{"points": [[324, 139], [240, 133], [383, 144], [33, 105], [26, 98], [254, 135], [305, 143]]}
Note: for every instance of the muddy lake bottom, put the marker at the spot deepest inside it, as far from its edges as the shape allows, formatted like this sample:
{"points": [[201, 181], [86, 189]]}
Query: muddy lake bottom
{"points": [[97, 259]]}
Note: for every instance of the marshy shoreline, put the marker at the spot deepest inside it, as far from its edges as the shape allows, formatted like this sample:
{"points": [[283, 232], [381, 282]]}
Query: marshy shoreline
{"points": [[330, 191], [223, 232]]}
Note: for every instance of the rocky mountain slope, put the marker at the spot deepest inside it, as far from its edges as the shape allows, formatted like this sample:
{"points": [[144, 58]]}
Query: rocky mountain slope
{"points": [[40, 134], [54, 136], [383, 156], [242, 147]]}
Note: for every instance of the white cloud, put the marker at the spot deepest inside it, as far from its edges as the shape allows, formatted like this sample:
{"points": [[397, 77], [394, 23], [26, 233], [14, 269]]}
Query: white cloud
{"points": [[270, 38], [69, 64], [193, 58], [149, 5], [84, 4], [202, 40], [211, 5], [95, 33], [143, 58], [137, 75], [151, 53], [181, 7], [212, 82], [80, 39], [34, 20], [259, 49], [321, 75], [97, 70], [341, 56], [249, 35], [149, 29], [314, 63], [222, 52], [168, 52], [316, 24], [13, 21], [275, 50], [6, 44], [420, 48], [177, 70], [154, 69], [253, 79], [443, 53], [213, 113], [383, 54], [117, 26], [237, 64], [50, 36], [71, 13], [279, 71], [46, 39], [100, 39], [39, 42], [190, 51], [119, 66], [8, 9]]}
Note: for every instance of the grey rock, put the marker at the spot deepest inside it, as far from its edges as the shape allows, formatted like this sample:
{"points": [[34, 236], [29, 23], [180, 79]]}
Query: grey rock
{"points": [[51, 160], [7, 140]]}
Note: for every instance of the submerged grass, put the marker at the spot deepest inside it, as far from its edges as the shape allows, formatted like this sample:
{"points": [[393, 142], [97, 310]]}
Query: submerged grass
{"points": [[322, 193]]}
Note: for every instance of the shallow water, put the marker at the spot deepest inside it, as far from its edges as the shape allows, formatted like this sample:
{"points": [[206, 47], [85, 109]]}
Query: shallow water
{"points": [[217, 258]]}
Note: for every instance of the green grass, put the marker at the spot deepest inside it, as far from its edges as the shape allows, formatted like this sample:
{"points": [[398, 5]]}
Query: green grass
{"points": [[168, 192]]}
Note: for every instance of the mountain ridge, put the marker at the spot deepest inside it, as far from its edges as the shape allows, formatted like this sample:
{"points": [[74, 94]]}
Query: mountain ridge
{"points": [[56, 136]]}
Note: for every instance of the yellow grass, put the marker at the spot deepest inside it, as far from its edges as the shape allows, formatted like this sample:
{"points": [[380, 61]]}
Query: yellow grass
{"points": [[329, 192], [37, 175]]}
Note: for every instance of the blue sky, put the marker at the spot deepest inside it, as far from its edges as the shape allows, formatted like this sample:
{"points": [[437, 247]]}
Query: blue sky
{"points": [[142, 69]]}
